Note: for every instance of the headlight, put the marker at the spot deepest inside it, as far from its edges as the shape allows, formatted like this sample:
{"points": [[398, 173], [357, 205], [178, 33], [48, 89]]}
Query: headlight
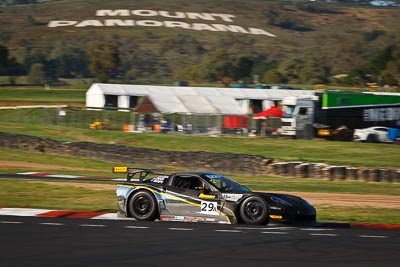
{"points": [[281, 201]]}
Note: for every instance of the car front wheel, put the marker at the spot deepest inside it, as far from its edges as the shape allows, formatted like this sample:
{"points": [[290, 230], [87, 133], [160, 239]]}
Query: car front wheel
{"points": [[143, 206], [254, 211], [371, 138]]}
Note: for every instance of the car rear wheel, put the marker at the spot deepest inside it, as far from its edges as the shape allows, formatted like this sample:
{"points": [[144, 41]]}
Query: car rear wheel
{"points": [[371, 138], [143, 206], [254, 211]]}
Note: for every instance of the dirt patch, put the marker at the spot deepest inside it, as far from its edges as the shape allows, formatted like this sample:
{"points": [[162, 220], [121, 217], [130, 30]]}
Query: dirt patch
{"points": [[350, 200]]}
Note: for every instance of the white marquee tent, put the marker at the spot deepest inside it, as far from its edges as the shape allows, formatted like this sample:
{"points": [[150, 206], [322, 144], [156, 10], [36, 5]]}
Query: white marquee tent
{"points": [[185, 100]]}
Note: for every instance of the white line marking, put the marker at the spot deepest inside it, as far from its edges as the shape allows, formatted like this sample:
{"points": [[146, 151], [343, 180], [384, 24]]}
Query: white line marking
{"points": [[111, 216], [316, 229], [10, 222], [277, 233], [136, 227], [265, 228], [181, 229], [373, 236], [92, 225], [228, 231], [63, 176], [324, 234], [22, 211], [52, 223]]}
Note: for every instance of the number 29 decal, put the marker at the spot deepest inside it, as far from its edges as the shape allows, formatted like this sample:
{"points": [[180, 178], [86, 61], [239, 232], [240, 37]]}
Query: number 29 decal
{"points": [[210, 208]]}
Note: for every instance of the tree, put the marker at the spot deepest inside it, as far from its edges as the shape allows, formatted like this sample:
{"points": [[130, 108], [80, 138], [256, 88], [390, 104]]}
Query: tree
{"points": [[9, 65], [226, 67], [36, 74], [314, 71], [219, 66], [104, 60], [3, 60], [291, 69], [273, 76], [391, 75], [72, 63]]}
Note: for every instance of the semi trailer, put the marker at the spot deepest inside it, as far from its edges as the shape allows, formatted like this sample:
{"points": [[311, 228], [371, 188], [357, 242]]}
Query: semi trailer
{"points": [[334, 115]]}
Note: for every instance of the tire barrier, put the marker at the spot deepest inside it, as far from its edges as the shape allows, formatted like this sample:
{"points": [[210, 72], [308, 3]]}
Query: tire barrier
{"points": [[139, 156], [202, 161], [332, 173]]}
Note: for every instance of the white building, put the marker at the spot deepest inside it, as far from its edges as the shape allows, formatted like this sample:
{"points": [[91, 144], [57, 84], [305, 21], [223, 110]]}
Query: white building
{"points": [[185, 100]]}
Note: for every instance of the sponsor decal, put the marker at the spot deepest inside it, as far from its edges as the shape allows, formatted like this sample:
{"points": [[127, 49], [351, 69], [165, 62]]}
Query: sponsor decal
{"points": [[159, 179], [232, 197], [179, 218], [382, 114], [214, 176], [206, 196], [279, 217], [120, 169], [275, 208], [210, 208]]}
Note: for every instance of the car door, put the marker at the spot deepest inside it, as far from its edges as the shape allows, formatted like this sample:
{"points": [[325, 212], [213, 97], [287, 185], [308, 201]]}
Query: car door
{"points": [[190, 196], [382, 134]]}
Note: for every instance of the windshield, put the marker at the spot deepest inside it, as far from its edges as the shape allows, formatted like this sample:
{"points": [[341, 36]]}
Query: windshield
{"points": [[225, 184], [288, 111]]}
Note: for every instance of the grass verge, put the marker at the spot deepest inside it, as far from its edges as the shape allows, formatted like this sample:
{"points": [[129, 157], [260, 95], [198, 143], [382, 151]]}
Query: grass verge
{"points": [[38, 194], [335, 153]]}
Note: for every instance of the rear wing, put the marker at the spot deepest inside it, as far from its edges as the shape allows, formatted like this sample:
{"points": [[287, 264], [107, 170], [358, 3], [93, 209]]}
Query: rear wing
{"points": [[131, 172]]}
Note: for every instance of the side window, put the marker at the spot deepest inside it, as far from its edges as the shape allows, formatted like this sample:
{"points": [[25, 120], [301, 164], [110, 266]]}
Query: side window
{"points": [[303, 111], [187, 182]]}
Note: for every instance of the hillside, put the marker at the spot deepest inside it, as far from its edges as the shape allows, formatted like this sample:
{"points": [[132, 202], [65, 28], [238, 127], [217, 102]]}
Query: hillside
{"points": [[163, 41]]}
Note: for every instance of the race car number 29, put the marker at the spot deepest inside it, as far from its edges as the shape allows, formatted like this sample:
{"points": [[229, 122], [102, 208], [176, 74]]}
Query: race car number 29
{"points": [[209, 208]]}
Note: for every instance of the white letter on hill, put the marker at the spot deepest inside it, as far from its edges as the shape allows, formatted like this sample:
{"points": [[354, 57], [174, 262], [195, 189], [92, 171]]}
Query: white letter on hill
{"points": [[224, 17], [231, 28], [259, 31], [178, 15], [203, 27], [113, 13], [150, 23], [61, 23], [85, 23], [203, 16], [119, 22], [145, 13], [174, 24]]}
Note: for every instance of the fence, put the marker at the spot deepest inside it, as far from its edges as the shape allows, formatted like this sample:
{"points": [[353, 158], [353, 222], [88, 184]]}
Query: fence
{"points": [[125, 120]]}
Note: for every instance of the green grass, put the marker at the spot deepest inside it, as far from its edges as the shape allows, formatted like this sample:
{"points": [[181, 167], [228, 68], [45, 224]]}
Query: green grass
{"points": [[37, 95], [31, 194], [96, 168], [36, 194], [335, 153], [366, 215]]}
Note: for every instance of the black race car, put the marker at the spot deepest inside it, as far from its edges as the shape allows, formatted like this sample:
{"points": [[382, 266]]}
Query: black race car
{"points": [[203, 197]]}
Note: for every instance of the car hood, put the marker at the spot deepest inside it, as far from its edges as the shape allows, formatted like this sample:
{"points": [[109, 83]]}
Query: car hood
{"points": [[285, 198]]}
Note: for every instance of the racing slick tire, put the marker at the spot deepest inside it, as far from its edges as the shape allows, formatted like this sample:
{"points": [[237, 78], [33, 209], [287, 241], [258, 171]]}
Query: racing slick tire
{"points": [[143, 206], [253, 210], [371, 138]]}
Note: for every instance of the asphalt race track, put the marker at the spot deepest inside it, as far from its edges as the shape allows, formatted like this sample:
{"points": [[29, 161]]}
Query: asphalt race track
{"points": [[35, 241]]}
